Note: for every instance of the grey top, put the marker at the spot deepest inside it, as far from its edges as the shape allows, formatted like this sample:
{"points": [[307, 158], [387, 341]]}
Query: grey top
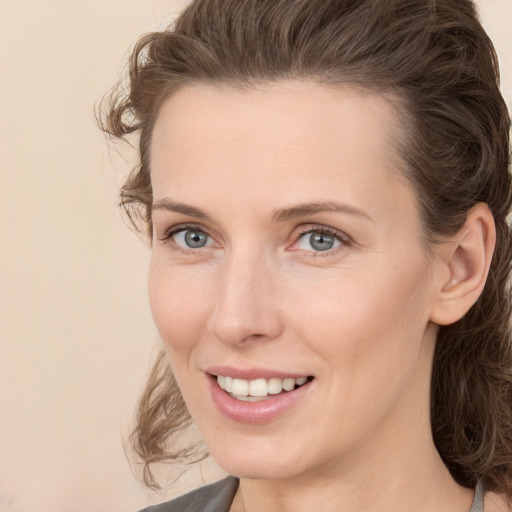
{"points": [[219, 496], [216, 497]]}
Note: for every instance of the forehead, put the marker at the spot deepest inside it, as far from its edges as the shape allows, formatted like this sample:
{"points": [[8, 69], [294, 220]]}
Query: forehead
{"points": [[298, 136], [305, 109]]}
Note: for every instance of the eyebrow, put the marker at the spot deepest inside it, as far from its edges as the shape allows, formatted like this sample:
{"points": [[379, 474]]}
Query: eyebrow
{"points": [[306, 209], [279, 215], [185, 209]]}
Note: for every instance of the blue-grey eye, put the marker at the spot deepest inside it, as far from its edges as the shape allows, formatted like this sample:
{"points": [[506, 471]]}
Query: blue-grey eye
{"points": [[195, 239], [191, 239], [318, 241]]}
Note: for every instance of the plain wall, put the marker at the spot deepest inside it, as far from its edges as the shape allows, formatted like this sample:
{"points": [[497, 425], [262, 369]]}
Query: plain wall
{"points": [[76, 335]]}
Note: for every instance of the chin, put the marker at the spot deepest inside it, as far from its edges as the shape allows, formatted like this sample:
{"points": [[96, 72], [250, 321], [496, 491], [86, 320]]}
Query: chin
{"points": [[258, 462], [256, 470]]}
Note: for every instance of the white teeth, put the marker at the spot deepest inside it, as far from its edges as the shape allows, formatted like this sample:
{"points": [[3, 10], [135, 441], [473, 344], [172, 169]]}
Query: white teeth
{"points": [[250, 398], [240, 387], [257, 388], [274, 386], [288, 384]]}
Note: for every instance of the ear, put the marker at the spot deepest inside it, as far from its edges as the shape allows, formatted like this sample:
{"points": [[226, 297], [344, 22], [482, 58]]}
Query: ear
{"points": [[463, 265]]}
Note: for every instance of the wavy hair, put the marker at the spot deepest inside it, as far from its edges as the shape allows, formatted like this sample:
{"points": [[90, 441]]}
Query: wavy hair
{"points": [[435, 57]]}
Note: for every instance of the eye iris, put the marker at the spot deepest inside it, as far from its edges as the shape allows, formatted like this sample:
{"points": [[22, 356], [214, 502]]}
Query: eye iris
{"points": [[195, 239], [321, 241]]}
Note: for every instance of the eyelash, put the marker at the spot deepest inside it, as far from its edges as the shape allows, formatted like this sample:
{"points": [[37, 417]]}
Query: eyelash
{"points": [[345, 240]]}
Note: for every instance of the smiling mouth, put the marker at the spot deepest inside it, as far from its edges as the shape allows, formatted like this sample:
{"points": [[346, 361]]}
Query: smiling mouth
{"points": [[259, 389]]}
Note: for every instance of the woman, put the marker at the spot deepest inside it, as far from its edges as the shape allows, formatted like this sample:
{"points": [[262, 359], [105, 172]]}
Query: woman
{"points": [[326, 186]]}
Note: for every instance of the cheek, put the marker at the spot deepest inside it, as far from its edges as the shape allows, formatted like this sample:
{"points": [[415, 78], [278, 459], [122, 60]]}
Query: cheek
{"points": [[369, 336], [179, 305], [370, 323]]}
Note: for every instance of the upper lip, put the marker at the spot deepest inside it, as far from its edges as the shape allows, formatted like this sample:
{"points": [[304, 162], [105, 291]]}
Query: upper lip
{"points": [[253, 373]]}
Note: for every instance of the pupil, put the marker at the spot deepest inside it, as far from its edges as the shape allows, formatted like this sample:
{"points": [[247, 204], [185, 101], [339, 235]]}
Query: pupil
{"points": [[322, 242], [195, 239]]}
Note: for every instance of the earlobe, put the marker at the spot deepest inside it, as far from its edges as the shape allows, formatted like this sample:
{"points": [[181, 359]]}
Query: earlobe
{"points": [[466, 260]]}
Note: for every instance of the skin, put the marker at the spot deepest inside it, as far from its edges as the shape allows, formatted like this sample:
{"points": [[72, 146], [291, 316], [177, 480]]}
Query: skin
{"points": [[360, 317]]}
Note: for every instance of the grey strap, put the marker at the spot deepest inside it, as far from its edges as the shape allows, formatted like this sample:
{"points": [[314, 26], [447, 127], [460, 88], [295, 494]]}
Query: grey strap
{"points": [[478, 501]]}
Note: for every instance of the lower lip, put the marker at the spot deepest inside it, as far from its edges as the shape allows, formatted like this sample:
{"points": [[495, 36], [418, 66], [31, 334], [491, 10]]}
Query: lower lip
{"points": [[255, 413]]}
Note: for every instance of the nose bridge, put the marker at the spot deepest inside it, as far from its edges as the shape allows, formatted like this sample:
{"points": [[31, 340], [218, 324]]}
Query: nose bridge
{"points": [[244, 307]]}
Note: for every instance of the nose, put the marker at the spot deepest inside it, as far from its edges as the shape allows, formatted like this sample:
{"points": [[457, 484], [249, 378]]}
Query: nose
{"points": [[245, 309]]}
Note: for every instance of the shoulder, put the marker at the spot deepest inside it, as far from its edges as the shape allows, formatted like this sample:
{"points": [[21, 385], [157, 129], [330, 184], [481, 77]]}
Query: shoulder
{"points": [[496, 503], [216, 497]]}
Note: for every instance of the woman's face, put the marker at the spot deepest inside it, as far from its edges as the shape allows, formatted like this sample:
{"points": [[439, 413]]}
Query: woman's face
{"points": [[286, 246]]}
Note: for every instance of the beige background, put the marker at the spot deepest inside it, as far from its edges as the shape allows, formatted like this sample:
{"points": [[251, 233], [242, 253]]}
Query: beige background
{"points": [[76, 334]]}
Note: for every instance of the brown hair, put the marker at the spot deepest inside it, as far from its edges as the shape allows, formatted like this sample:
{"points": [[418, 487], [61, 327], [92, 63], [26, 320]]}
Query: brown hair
{"points": [[437, 59]]}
